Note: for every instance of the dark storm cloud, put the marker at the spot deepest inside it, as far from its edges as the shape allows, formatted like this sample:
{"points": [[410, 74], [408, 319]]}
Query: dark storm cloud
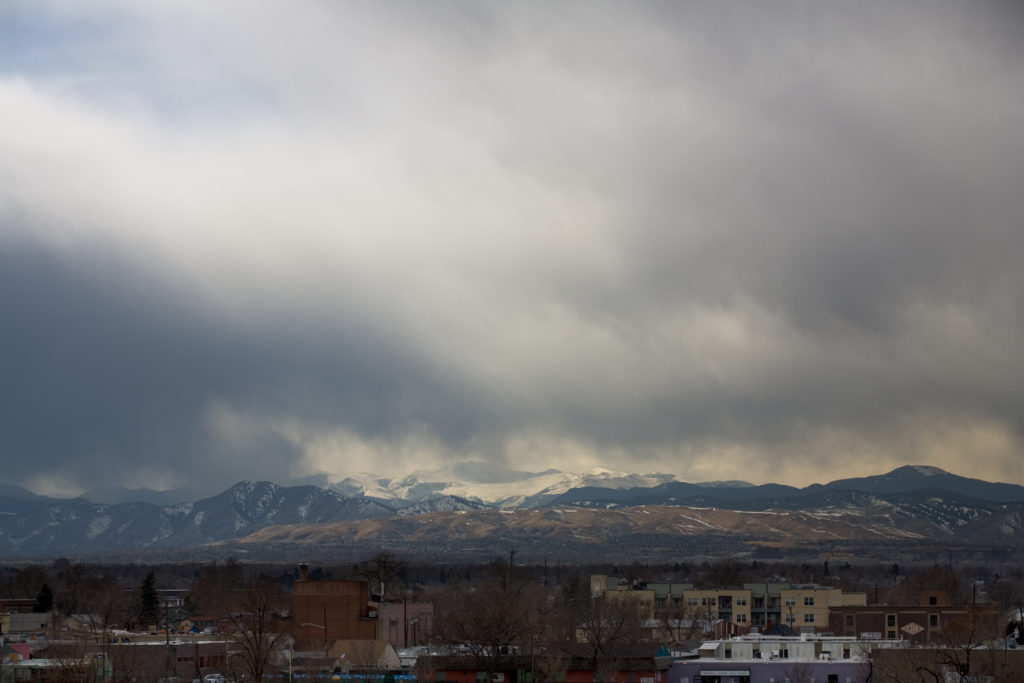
{"points": [[726, 242], [110, 371]]}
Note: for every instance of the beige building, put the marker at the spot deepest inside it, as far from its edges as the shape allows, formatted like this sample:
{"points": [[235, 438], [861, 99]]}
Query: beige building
{"points": [[758, 606], [25, 622], [808, 606], [729, 604], [612, 588]]}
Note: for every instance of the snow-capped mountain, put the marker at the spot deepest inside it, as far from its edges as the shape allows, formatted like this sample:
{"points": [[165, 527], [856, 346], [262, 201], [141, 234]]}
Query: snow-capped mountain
{"points": [[912, 502], [490, 484], [43, 525]]}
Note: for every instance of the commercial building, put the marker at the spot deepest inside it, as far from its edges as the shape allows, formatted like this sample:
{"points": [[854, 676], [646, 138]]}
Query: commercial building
{"points": [[328, 610]]}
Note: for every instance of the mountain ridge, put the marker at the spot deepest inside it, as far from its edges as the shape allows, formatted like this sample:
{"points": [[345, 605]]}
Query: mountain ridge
{"points": [[932, 505]]}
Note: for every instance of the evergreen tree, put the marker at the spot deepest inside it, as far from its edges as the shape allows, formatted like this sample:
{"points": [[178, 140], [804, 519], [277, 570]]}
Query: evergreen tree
{"points": [[44, 601], [149, 602]]}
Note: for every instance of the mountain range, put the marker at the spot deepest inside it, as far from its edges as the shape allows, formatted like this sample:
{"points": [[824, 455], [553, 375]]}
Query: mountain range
{"points": [[470, 509]]}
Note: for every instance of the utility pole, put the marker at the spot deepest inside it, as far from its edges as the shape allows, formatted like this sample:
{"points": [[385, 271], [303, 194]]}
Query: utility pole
{"points": [[167, 638], [325, 631]]}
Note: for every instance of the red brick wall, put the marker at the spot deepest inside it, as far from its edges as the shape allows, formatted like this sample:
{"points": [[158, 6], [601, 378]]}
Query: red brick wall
{"points": [[325, 611]]}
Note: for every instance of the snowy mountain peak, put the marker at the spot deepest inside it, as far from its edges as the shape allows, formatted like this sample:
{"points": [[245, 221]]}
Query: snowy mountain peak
{"points": [[491, 484]]}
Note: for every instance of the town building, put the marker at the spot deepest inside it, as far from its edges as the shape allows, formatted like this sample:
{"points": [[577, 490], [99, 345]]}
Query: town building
{"points": [[405, 624], [927, 623], [635, 665], [25, 622], [328, 610], [753, 606], [764, 659]]}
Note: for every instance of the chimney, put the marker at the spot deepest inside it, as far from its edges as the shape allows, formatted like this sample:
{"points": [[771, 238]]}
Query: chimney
{"points": [[303, 572]]}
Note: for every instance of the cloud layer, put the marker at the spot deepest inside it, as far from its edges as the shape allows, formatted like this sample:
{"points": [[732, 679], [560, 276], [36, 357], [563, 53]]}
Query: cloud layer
{"points": [[265, 242]]}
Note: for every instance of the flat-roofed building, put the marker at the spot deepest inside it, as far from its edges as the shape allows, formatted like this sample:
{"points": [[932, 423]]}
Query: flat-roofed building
{"points": [[329, 610]]}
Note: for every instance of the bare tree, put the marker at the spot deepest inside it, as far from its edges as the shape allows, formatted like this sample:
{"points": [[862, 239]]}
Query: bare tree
{"points": [[213, 592], [605, 626], [492, 619], [961, 652], [73, 661], [381, 570], [598, 627], [964, 641], [29, 581], [681, 622], [801, 672], [258, 636], [723, 573]]}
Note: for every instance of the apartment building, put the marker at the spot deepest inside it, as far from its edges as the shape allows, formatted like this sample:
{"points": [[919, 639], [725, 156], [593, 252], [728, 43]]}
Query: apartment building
{"points": [[808, 606], [728, 604], [758, 606], [614, 588]]}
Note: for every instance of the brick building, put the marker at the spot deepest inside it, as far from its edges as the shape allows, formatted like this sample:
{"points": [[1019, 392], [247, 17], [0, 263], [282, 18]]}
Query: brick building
{"points": [[405, 624], [329, 610], [919, 624]]}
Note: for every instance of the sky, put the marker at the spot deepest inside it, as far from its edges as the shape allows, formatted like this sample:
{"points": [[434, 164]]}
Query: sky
{"points": [[775, 242]]}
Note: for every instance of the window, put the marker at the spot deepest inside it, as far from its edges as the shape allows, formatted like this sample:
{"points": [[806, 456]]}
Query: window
{"points": [[809, 601], [933, 620], [783, 653], [932, 600], [890, 620], [846, 653], [849, 620], [809, 618], [741, 602], [741, 618], [728, 652], [692, 602], [790, 601], [891, 635]]}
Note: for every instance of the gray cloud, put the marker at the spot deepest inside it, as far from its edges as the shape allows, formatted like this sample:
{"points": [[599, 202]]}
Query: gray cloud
{"points": [[769, 244]]}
